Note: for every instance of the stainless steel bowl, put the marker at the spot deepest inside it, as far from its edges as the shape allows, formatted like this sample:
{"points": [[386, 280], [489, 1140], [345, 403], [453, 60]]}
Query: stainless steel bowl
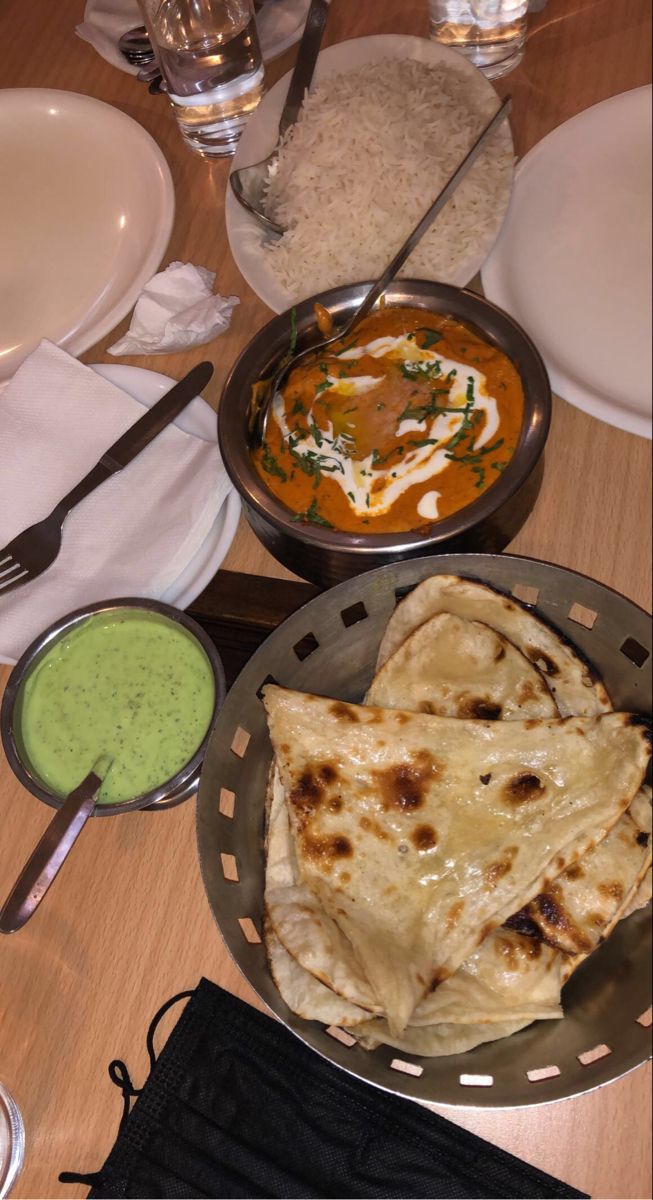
{"points": [[328, 556], [170, 793]]}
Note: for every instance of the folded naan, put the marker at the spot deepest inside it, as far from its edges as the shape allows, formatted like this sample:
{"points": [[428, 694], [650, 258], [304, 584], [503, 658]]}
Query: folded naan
{"points": [[452, 667], [508, 977], [418, 835], [575, 687], [582, 905]]}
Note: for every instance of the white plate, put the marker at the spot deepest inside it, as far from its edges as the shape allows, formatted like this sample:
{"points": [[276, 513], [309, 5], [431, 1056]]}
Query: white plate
{"points": [[245, 234], [199, 420], [86, 211], [572, 263]]}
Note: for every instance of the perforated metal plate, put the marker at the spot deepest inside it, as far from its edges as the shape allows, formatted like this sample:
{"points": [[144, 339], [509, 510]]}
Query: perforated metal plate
{"points": [[330, 647]]}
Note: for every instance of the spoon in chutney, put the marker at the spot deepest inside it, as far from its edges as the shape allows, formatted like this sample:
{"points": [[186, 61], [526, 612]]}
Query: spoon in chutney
{"points": [[264, 391], [52, 850]]}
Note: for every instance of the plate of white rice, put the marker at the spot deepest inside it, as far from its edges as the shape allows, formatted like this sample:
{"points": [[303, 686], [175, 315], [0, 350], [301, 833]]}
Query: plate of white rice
{"points": [[388, 120]]}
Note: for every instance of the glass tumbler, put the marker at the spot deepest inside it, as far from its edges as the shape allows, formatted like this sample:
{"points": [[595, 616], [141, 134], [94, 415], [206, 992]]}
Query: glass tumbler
{"points": [[210, 59], [490, 33], [12, 1141]]}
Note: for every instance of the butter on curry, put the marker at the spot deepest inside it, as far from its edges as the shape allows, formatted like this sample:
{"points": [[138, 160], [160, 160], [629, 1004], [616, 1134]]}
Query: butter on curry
{"points": [[409, 420]]}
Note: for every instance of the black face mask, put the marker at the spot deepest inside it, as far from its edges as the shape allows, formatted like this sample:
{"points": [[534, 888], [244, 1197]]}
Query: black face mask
{"points": [[237, 1107]]}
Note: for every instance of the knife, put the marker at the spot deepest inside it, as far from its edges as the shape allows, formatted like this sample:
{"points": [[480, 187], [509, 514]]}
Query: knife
{"points": [[139, 435], [309, 48]]}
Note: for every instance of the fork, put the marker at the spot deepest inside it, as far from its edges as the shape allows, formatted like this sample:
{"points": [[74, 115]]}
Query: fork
{"points": [[35, 549]]}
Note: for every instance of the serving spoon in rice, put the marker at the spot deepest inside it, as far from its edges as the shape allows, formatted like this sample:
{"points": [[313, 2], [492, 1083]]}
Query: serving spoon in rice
{"points": [[264, 391], [248, 183]]}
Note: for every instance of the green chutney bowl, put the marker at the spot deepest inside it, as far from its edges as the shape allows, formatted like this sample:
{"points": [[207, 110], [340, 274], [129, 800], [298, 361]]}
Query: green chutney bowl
{"points": [[167, 794]]}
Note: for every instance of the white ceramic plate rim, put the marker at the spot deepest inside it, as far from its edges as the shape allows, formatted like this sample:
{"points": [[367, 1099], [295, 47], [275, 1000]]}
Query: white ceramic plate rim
{"points": [[497, 288], [244, 233], [199, 420], [163, 199]]}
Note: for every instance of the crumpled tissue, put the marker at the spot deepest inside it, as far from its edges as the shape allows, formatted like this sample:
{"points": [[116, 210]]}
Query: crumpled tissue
{"points": [[176, 309]]}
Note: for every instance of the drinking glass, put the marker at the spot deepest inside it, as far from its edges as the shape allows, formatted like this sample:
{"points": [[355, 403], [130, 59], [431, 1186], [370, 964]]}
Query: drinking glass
{"points": [[210, 59], [491, 33], [12, 1141]]}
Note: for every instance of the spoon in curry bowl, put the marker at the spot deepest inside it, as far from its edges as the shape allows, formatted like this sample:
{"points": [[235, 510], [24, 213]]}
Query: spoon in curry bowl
{"points": [[248, 183], [264, 391]]}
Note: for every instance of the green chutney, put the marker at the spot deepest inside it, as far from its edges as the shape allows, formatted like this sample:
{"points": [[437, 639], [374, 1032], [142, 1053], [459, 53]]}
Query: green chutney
{"points": [[133, 685]]}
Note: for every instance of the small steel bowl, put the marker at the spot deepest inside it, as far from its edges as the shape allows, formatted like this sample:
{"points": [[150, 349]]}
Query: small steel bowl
{"points": [[168, 794], [328, 556]]}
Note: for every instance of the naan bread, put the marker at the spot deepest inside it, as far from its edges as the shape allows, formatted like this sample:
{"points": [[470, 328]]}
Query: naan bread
{"points": [[452, 667], [303, 993], [298, 921], [509, 976], [641, 897], [582, 905], [575, 688], [464, 820], [434, 1041]]}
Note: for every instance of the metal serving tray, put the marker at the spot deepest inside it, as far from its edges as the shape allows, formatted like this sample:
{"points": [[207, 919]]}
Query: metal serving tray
{"points": [[329, 646]]}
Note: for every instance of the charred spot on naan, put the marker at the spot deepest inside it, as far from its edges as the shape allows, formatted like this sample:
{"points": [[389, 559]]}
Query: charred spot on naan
{"points": [[637, 721], [542, 661], [526, 692], [499, 869], [344, 712], [514, 948], [369, 825], [611, 891], [523, 923], [453, 915], [424, 838], [642, 838], [555, 925], [312, 790], [406, 786], [479, 708], [326, 850], [523, 787]]}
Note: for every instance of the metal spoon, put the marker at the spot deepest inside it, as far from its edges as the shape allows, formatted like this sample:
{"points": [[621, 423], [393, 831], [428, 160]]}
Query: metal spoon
{"points": [[135, 46], [52, 850], [263, 393], [247, 183]]}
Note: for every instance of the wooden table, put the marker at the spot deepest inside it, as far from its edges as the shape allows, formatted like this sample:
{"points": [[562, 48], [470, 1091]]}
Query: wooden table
{"points": [[127, 925]]}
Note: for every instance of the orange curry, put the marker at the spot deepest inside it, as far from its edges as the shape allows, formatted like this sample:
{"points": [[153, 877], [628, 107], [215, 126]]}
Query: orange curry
{"points": [[408, 420]]}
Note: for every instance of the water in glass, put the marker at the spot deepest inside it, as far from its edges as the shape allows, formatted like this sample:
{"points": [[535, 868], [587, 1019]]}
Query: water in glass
{"points": [[209, 56], [491, 33]]}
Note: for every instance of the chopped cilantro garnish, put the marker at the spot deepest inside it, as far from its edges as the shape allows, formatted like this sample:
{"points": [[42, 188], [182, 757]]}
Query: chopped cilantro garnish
{"points": [[270, 464], [316, 433], [315, 465], [312, 513], [431, 337], [379, 459]]}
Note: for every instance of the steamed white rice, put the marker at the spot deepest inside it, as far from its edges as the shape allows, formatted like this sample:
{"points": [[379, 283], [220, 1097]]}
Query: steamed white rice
{"points": [[369, 153]]}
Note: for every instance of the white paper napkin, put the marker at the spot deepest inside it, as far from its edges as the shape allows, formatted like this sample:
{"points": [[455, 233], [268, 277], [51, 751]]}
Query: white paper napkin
{"points": [[135, 534], [176, 309], [279, 23]]}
